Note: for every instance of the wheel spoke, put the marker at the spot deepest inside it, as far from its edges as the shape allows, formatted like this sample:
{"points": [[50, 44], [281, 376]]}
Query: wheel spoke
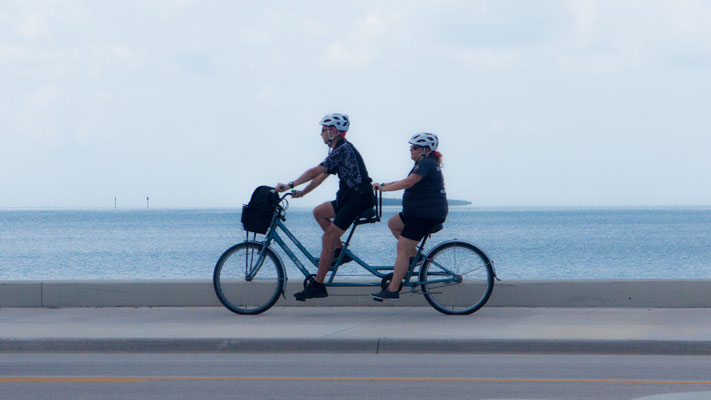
{"points": [[247, 279], [470, 272]]}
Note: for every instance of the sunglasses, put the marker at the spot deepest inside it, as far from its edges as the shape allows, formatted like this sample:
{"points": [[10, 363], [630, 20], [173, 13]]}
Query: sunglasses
{"points": [[413, 147]]}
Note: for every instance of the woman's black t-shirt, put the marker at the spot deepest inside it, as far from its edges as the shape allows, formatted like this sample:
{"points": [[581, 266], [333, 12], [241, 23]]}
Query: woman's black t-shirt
{"points": [[427, 198]]}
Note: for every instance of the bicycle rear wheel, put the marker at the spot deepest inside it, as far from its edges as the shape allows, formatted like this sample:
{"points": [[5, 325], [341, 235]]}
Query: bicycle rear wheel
{"points": [[247, 281], [461, 278]]}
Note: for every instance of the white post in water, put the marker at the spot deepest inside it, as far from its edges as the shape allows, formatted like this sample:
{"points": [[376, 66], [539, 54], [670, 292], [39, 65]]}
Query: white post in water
{"points": [[114, 202], [146, 202]]}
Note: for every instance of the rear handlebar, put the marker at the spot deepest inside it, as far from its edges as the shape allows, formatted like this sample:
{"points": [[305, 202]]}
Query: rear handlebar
{"points": [[378, 200]]}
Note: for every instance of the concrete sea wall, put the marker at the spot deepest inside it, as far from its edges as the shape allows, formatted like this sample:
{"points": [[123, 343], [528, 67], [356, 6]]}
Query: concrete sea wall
{"points": [[195, 293]]}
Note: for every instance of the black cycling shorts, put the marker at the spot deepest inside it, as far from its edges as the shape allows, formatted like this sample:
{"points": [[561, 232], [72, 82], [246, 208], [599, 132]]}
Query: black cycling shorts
{"points": [[349, 207], [416, 228]]}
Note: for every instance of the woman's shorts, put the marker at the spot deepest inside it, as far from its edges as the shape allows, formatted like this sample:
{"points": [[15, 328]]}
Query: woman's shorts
{"points": [[416, 228]]}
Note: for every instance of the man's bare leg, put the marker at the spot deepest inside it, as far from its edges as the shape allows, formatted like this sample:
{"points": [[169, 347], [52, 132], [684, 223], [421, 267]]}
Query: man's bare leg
{"points": [[324, 214], [331, 237]]}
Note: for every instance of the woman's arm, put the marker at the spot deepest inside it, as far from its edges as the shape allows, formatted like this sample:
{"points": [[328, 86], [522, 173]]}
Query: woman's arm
{"points": [[406, 183]]}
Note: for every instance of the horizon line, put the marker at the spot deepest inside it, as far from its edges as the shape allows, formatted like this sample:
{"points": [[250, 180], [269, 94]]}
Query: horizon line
{"points": [[470, 206]]}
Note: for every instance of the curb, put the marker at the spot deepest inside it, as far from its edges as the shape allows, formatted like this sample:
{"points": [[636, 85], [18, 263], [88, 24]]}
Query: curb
{"points": [[360, 346], [690, 293]]}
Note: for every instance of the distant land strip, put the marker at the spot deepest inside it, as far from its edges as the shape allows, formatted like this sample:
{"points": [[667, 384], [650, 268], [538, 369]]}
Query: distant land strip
{"points": [[389, 201]]}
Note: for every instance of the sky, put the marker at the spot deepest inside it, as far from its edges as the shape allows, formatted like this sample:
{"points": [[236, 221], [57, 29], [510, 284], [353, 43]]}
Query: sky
{"points": [[196, 103]]}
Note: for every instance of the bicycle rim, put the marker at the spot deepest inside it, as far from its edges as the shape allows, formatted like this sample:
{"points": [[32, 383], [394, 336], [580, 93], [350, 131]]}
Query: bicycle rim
{"points": [[244, 286], [470, 276]]}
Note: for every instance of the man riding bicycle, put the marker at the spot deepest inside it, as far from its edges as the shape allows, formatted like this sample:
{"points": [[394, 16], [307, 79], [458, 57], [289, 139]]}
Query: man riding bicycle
{"points": [[354, 196]]}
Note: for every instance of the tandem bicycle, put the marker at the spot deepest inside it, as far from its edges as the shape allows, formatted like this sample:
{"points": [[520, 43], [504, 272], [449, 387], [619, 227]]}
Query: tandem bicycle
{"points": [[455, 276]]}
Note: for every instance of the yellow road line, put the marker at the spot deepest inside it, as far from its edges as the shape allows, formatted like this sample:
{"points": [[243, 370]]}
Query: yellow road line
{"points": [[135, 379], [70, 379]]}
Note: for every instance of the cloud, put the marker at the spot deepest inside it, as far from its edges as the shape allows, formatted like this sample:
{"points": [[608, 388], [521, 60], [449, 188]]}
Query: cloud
{"points": [[37, 119], [198, 93], [640, 34]]}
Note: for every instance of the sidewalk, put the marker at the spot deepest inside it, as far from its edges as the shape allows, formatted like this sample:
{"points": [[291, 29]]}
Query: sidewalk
{"points": [[685, 331]]}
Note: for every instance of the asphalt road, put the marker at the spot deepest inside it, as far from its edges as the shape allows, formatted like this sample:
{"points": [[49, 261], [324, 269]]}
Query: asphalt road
{"points": [[271, 376]]}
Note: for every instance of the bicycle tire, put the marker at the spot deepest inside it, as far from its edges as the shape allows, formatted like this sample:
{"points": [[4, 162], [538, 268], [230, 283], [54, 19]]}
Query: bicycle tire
{"points": [[248, 296], [475, 278]]}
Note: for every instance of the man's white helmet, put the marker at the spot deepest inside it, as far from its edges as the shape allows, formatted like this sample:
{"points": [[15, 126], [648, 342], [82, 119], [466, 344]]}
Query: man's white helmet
{"points": [[340, 121], [425, 139]]}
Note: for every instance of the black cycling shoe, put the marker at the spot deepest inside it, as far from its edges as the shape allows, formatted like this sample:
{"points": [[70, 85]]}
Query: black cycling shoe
{"points": [[385, 294], [313, 290]]}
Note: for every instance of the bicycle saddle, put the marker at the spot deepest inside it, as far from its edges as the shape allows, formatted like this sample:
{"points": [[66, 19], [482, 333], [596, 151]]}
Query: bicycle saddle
{"points": [[368, 216], [436, 228]]}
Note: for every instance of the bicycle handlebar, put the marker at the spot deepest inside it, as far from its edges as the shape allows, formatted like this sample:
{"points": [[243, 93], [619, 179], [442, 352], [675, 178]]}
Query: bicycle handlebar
{"points": [[378, 197], [290, 193]]}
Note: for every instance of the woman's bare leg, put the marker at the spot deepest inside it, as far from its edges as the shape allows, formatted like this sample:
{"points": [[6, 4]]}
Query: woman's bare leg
{"points": [[406, 248], [395, 224]]}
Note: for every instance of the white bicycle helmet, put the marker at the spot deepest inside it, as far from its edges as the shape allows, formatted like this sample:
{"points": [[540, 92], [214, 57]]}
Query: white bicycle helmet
{"points": [[340, 121], [425, 139]]}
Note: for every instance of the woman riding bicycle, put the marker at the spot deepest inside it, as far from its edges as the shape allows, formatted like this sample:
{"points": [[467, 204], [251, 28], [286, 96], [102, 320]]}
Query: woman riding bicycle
{"points": [[424, 206]]}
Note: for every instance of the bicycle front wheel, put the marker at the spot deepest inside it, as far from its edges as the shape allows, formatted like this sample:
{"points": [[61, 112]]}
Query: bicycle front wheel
{"points": [[248, 281], [457, 278]]}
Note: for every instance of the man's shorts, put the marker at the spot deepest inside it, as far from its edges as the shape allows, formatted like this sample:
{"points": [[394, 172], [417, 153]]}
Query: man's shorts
{"points": [[349, 207], [416, 228]]}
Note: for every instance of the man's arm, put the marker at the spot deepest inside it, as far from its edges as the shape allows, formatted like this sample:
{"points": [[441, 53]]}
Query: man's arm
{"points": [[311, 186], [309, 175]]}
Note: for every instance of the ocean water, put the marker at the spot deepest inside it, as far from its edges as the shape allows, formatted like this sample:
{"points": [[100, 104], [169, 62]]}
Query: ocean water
{"points": [[667, 243]]}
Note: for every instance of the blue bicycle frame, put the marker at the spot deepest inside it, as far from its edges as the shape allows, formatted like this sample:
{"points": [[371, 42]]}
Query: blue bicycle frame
{"points": [[463, 263], [377, 271]]}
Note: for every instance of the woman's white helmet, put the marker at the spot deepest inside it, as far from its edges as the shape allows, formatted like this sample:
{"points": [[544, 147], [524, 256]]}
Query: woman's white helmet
{"points": [[340, 121], [425, 139]]}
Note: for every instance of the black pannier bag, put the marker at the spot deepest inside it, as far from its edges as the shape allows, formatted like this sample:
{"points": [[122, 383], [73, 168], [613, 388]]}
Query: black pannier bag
{"points": [[257, 215]]}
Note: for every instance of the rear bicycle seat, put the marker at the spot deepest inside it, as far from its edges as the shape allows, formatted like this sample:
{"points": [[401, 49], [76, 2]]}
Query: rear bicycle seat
{"points": [[373, 214], [368, 216]]}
